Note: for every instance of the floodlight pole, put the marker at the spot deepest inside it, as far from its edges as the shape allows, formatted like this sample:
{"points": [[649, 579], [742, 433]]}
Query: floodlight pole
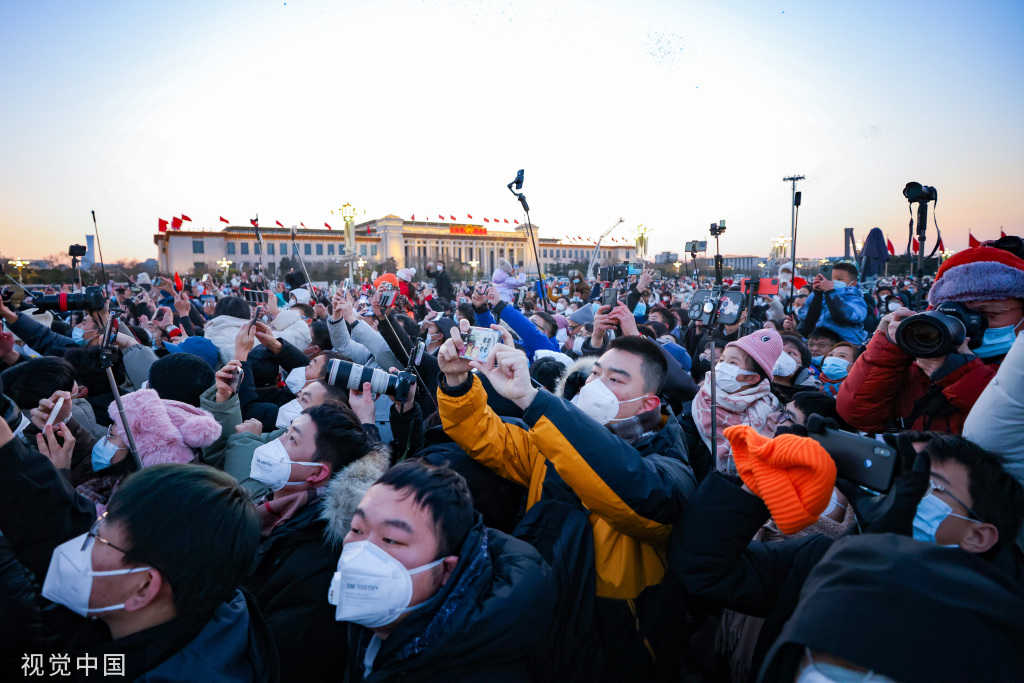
{"points": [[792, 231]]}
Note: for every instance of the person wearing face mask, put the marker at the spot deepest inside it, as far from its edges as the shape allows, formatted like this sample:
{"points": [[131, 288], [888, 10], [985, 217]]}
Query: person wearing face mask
{"points": [[836, 366], [506, 281], [743, 396], [576, 332], [160, 581], [437, 331], [886, 386], [791, 371], [637, 299], [836, 304], [442, 281], [977, 507], [428, 593], [632, 475]]}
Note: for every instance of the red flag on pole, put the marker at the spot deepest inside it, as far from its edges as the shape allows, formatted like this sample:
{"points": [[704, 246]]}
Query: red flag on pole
{"points": [[888, 245], [470, 216], [176, 223], [413, 217], [452, 217], [941, 247], [440, 218], [1002, 233], [972, 242], [225, 220], [327, 226], [279, 224], [517, 222], [302, 224], [486, 221], [254, 222], [917, 246], [496, 220], [185, 218], [161, 225]]}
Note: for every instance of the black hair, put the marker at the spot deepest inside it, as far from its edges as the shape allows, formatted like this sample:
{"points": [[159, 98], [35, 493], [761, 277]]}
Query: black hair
{"points": [[996, 497], [796, 340], [653, 365], [331, 355], [668, 314], [549, 321], [234, 306], [192, 523], [813, 402], [825, 333], [847, 267], [321, 334], [141, 335], [306, 309], [335, 395], [443, 493], [411, 328], [89, 371], [466, 311], [547, 371], [29, 382], [340, 440], [659, 329]]}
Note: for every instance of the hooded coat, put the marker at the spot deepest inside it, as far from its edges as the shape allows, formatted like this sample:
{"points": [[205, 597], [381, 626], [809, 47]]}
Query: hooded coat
{"points": [[483, 625], [223, 329]]}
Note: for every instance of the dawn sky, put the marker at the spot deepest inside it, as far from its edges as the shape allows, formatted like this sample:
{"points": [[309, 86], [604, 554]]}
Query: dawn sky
{"points": [[670, 114]]}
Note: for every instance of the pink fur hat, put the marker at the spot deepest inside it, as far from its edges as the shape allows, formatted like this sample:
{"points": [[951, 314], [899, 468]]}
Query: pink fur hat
{"points": [[165, 431]]}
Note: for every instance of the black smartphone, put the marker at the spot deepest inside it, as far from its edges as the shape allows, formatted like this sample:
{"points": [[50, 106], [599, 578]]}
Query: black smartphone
{"points": [[610, 297], [826, 270], [860, 459]]}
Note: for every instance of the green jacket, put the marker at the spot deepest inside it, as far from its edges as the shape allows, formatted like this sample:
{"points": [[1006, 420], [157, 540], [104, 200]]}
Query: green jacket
{"points": [[232, 452]]}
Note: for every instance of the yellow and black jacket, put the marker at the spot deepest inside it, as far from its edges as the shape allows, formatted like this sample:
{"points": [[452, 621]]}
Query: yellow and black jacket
{"points": [[633, 496]]}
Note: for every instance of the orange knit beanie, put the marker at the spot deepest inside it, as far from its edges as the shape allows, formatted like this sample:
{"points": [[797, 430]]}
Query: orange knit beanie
{"points": [[793, 475]]}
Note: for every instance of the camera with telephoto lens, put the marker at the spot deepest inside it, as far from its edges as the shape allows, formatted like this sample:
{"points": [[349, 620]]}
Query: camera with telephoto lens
{"points": [[348, 375], [938, 333], [92, 299]]}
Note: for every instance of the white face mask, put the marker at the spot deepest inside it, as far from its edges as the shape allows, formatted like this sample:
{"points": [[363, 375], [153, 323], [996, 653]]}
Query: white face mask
{"points": [[69, 578], [288, 412], [439, 267], [725, 378], [371, 588], [577, 344], [272, 466], [296, 379], [784, 366], [821, 672], [597, 400]]}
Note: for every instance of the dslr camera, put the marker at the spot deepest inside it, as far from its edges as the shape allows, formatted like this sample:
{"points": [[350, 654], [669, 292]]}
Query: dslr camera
{"points": [[92, 299], [940, 332]]}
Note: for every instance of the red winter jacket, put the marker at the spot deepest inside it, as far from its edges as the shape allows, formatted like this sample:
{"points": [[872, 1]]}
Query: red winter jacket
{"points": [[884, 385]]}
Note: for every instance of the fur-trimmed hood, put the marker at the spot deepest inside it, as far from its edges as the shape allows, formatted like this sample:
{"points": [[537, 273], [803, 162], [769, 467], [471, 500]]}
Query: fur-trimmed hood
{"points": [[347, 488], [584, 364]]}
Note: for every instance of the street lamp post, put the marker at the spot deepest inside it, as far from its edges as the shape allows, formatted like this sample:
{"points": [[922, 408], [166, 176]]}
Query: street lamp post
{"points": [[360, 263], [19, 264], [226, 265], [474, 264]]}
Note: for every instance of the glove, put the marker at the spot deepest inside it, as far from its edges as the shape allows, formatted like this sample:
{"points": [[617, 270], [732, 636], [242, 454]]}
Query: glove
{"points": [[894, 511]]}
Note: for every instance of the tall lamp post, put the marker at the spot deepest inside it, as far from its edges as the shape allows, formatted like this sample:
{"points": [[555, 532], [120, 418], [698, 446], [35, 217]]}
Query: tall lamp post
{"points": [[19, 264], [360, 263], [473, 265], [225, 265]]}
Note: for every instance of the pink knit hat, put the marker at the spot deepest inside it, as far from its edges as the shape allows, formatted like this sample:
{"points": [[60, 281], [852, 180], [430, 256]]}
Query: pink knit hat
{"points": [[165, 431], [764, 346]]}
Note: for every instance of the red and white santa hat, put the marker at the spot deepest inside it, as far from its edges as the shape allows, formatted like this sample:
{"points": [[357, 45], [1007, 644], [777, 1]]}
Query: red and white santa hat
{"points": [[978, 274]]}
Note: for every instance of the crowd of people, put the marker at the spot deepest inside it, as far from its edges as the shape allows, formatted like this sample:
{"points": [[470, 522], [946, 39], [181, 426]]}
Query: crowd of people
{"points": [[258, 480]]}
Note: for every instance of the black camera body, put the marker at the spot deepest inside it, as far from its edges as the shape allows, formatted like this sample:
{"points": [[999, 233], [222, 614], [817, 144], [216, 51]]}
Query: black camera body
{"points": [[702, 305], [916, 192], [92, 299], [940, 332], [77, 251]]}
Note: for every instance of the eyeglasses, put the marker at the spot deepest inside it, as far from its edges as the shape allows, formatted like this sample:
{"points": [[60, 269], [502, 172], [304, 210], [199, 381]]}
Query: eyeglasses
{"points": [[93, 535], [932, 486], [785, 417]]}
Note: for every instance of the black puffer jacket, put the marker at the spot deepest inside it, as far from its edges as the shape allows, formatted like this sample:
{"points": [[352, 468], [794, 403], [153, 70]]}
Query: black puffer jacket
{"points": [[483, 624]]}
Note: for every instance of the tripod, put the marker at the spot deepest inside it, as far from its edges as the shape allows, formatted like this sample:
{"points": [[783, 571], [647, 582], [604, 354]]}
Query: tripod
{"points": [[518, 182]]}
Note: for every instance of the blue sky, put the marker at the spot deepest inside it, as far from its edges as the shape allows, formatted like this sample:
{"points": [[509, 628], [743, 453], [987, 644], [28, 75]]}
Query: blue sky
{"points": [[670, 114]]}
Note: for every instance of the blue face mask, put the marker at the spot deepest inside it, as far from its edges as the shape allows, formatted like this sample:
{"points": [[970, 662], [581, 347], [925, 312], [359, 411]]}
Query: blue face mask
{"points": [[838, 284], [835, 368], [78, 336], [816, 361], [931, 512], [641, 309], [102, 453], [996, 341]]}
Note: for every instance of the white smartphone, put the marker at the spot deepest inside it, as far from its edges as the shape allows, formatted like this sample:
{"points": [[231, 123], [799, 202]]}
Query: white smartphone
{"points": [[55, 412]]}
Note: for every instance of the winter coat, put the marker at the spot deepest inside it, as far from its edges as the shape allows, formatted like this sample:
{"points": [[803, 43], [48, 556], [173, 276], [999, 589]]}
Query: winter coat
{"points": [[842, 310], [633, 493], [223, 329], [442, 282], [232, 452], [885, 385], [22, 628], [533, 338], [38, 337], [506, 284], [995, 420], [233, 644], [293, 568], [483, 625]]}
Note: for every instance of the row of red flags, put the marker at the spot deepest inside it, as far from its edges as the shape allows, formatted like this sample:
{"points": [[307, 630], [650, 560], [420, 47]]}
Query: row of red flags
{"points": [[176, 223], [470, 217], [972, 242]]}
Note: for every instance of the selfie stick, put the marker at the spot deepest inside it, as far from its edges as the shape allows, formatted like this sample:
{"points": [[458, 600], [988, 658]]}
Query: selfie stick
{"points": [[412, 367], [107, 362], [518, 182], [302, 263], [103, 268], [794, 212]]}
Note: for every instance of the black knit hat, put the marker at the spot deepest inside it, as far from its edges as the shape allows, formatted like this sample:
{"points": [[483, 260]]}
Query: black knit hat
{"points": [[181, 377]]}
